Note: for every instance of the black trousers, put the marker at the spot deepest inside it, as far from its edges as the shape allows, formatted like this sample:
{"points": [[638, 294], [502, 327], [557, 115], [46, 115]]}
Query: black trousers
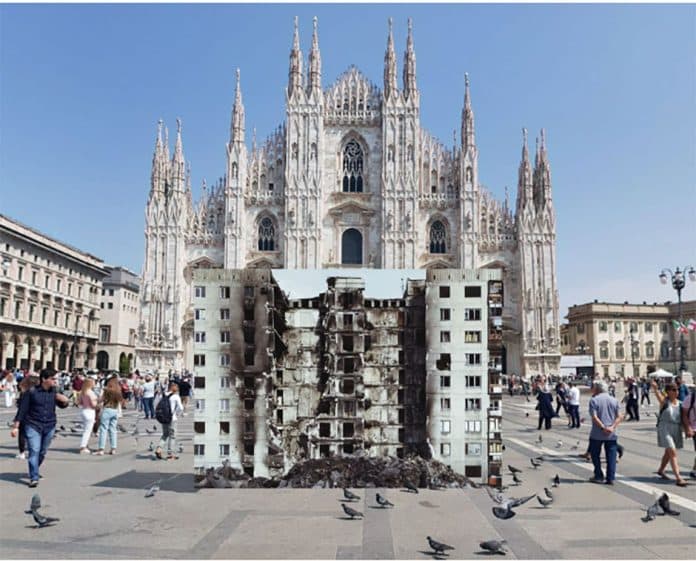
{"points": [[632, 409], [644, 397], [546, 421]]}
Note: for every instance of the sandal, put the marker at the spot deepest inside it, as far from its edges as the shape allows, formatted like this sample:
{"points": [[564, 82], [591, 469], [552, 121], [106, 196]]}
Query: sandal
{"points": [[682, 483], [158, 454], [663, 476]]}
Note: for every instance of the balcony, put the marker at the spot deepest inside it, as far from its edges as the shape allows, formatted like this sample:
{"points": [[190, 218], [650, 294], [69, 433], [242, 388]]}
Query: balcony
{"points": [[495, 413], [493, 389]]}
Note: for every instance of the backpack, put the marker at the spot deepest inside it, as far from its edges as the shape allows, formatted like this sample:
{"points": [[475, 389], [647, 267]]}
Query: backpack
{"points": [[163, 412]]}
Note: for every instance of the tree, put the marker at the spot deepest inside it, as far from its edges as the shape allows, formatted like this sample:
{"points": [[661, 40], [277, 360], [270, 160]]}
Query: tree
{"points": [[123, 366]]}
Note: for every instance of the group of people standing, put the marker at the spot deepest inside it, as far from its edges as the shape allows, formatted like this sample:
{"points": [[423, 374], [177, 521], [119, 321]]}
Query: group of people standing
{"points": [[567, 398]]}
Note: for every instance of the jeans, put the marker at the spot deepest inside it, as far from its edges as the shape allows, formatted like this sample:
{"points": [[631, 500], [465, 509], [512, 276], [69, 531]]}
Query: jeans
{"points": [[575, 415], [38, 441], [610, 451], [88, 417], [149, 406], [107, 422], [168, 437]]}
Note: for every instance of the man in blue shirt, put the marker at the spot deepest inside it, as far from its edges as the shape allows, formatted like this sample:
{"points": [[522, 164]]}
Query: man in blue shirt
{"points": [[606, 416], [37, 412], [682, 390]]}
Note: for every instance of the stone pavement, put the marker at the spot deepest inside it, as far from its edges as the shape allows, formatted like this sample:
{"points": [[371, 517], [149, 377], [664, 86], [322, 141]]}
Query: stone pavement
{"points": [[103, 512]]}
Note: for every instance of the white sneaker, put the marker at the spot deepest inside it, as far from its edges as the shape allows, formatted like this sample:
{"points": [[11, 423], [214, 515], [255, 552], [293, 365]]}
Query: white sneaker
{"points": [[21, 456]]}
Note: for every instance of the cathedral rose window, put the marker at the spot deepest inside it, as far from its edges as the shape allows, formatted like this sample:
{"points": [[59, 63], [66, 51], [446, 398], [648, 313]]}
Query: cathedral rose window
{"points": [[352, 168], [438, 238], [266, 235]]}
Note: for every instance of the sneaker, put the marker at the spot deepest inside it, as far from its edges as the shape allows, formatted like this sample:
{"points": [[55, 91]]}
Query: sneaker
{"points": [[21, 456], [692, 474], [595, 480], [112, 452], [99, 453], [34, 483], [609, 482], [85, 451]]}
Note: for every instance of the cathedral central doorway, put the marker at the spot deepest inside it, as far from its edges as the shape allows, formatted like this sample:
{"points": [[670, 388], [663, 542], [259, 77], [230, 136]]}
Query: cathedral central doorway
{"points": [[351, 247]]}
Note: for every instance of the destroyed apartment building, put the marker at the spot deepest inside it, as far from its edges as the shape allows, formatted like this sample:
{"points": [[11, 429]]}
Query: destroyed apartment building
{"points": [[281, 380]]}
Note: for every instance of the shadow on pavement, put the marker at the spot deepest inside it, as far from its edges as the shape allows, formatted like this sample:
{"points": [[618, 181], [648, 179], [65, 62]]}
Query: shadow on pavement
{"points": [[15, 477], [176, 482]]}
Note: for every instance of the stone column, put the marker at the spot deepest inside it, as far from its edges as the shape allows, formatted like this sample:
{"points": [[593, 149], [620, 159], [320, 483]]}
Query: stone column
{"points": [[260, 430]]}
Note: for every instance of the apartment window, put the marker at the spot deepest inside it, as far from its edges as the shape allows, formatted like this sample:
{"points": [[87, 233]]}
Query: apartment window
{"points": [[649, 327], [225, 360], [224, 336], [199, 291], [47, 281], [472, 336], [617, 327], [249, 357], [472, 292], [110, 305], [199, 313], [348, 430], [348, 343], [20, 273], [199, 427], [3, 303], [348, 365], [199, 336], [249, 382], [445, 403], [224, 449], [248, 314], [472, 314], [444, 362], [347, 320], [111, 292], [248, 292], [473, 404], [633, 327], [79, 291], [224, 292], [224, 427], [444, 314], [69, 289], [445, 426], [473, 426], [580, 328], [473, 449], [44, 314], [347, 385], [445, 449], [104, 334], [224, 405], [619, 350], [67, 320], [248, 426], [325, 430], [402, 377], [224, 313], [603, 326], [649, 350], [199, 360], [444, 336], [56, 317], [604, 350], [249, 404], [445, 381], [444, 292], [199, 449], [33, 278], [200, 404], [31, 312], [473, 381], [349, 409], [473, 358]]}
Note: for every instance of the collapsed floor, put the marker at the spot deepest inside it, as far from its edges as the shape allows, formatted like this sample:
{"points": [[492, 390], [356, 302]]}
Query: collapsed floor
{"points": [[341, 472]]}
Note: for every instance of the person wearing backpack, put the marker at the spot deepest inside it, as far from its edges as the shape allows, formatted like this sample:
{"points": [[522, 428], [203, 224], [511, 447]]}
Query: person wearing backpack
{"points": [[688, 415], [167, 412]]}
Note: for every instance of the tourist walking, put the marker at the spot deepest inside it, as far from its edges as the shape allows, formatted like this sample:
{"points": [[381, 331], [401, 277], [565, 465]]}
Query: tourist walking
{"points": [[37, 412], [544, 405], [682, 390], [8, 386], [669, 434], [185, 392], [168, 410], [644, 391], [574, 405], [632, 400], [149, 397], [606, 416], [26, 383], [88, 402], [689, 422], [110, 402]]}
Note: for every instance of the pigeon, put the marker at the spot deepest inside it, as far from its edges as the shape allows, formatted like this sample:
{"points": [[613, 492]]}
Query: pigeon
{"points": [[154, 428], [652, 512], [559, 444], [539, 459], [494, 546], [503, 501], [151, 447], [544, 502], [410, 486], [62, 427], [181, 449], [136, 431], [350, 496], [516, 479], [575, 446], [549, 494], [540, 439], [74, 430], [513, 469], [526, 414], [438, 547], [41, 520], [381, 501], [121, 428], [663, 501], [152, 490], [534, 463], [35, 504], [504, 513], [350, 512], [148, 431], [556, 480]]}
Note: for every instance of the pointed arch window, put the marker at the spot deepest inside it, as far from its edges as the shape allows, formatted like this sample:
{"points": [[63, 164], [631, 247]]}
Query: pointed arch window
{"points": [[438, 237], [266, 235], [352, 168]]}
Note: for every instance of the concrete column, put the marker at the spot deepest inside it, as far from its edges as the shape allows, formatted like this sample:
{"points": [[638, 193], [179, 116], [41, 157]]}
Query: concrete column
{"points": [[236, 429], [260, 430]]}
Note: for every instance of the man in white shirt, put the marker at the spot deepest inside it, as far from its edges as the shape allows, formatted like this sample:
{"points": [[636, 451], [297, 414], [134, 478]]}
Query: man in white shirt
{"points": [[149, 397], [574, 405], [169, 429]]}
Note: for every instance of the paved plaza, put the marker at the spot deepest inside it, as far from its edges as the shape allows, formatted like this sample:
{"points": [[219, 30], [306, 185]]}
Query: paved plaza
{"points": [[104, 514]]}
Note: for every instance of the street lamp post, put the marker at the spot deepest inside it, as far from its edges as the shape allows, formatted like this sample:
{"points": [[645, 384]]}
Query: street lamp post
{"points": [[678, 283], [581, 348], [633, 352]]}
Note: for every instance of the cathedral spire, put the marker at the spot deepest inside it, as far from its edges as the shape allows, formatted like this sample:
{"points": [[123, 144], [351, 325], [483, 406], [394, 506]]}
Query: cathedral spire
{"points": [[468, 136], [542, 174], [295, 73], [524, 177], [315, 61], [237, 128], [158, 161], [390, 82], [178, 161], [410, 87]]}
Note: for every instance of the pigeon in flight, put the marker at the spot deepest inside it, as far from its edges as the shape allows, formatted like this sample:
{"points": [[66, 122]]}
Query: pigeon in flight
{"points": [[351, 512], [513, 469], [152, 490], [35, 504], [350, 496], [516, 479], [556, 481], [42, 521], [544, 502], [535, 463], [504, 501], [549, 494], [494, 546], [381, 501], [663, 501], [504, 512], [438, 547], [410, 486], [652, 512]]}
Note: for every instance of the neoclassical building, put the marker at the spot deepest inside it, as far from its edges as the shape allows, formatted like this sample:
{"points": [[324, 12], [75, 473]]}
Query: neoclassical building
{"points": [[349, 179]]}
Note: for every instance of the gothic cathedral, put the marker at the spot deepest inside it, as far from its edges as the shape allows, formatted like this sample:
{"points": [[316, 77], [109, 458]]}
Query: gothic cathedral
{"points": [[352, 180]]}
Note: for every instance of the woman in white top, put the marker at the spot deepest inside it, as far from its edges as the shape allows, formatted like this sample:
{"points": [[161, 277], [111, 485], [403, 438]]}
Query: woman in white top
{"points": [[88, 402], [9, 389]]}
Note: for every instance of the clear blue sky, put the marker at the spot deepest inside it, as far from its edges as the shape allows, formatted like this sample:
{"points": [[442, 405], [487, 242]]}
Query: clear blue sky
{"points": [[614, 85]]}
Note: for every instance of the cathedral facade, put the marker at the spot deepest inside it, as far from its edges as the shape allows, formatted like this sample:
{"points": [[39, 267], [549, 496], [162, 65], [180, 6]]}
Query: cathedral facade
{"points": [[351, 179]]}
